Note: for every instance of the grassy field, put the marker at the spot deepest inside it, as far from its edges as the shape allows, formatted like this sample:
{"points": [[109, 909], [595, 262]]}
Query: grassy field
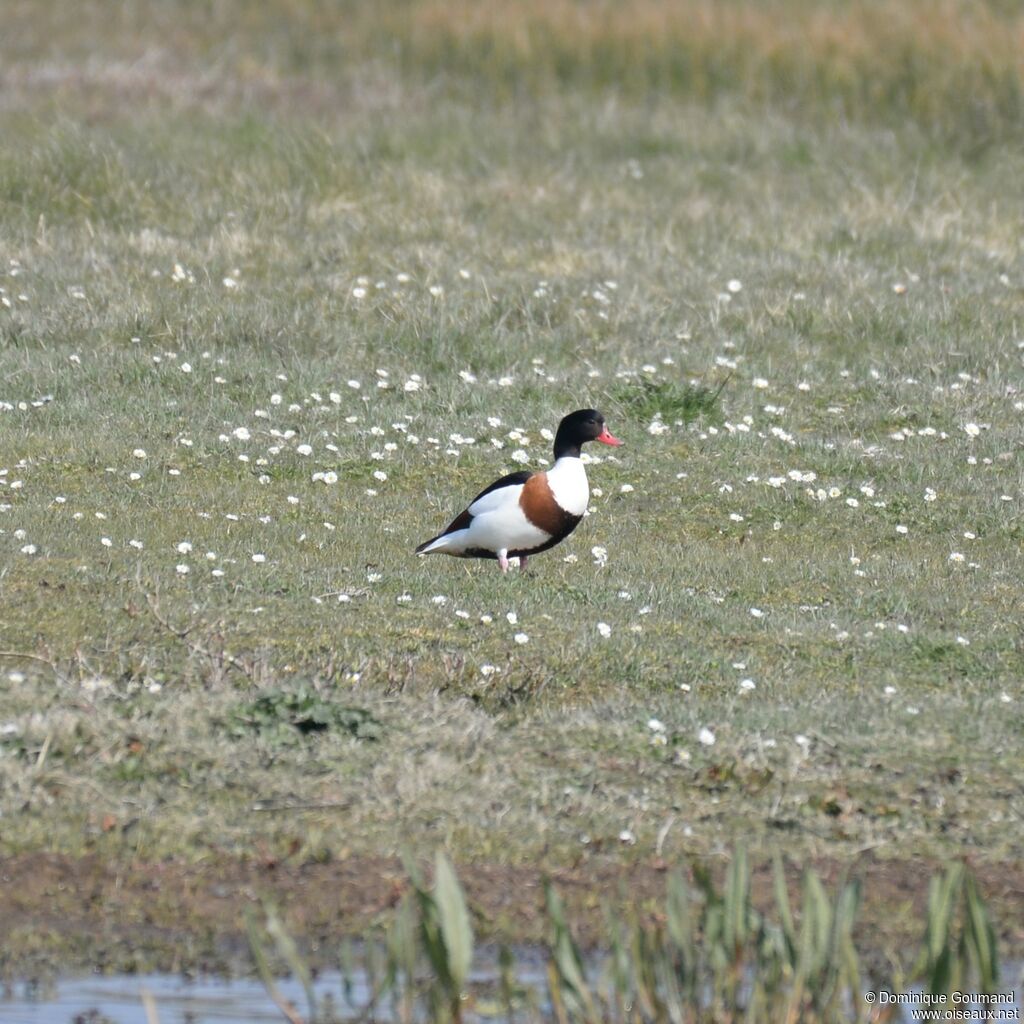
{"points": [[281, 290]]}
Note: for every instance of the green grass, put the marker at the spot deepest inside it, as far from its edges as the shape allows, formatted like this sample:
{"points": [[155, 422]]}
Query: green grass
{"points": [[881, 297]]}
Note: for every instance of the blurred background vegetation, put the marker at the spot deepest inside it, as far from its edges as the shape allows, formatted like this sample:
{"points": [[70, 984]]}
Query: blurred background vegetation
{"points": [[956, 67]]}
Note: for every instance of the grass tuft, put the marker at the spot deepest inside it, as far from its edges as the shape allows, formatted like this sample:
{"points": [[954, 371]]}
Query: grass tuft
{"points": [[279, 717], [646, 398]]}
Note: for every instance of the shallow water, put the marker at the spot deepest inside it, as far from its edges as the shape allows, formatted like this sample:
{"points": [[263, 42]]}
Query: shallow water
{"points": [[118, 999], [208, 1000]]}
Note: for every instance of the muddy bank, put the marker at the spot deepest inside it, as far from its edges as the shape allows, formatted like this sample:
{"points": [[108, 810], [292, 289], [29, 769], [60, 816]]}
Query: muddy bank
{"points": [[60, 914]]}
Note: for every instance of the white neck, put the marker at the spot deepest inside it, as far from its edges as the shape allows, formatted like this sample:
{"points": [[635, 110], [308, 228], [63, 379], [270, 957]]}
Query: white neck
{"points": [[568, 481]]}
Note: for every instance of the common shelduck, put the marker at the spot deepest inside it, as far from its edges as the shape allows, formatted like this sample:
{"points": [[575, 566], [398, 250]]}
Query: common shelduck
{"points": [[525, 513]]}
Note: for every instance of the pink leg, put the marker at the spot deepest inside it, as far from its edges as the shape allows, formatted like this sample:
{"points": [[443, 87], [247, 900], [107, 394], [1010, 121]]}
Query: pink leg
{"points": [[522, 562], [503, 560]]}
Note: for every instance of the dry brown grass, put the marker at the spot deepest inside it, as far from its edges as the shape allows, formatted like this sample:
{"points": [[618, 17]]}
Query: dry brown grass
{"points": [[848, 35], [924, 59], [953, 65]]}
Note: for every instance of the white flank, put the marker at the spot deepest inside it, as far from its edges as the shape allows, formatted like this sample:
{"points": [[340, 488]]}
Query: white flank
{"points": [[499, 523], [568, 481]]}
